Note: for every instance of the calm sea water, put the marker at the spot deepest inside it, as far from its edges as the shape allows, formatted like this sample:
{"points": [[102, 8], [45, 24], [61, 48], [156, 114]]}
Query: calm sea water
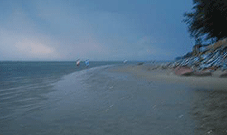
{"points": [[58, 98], [23, 85]]}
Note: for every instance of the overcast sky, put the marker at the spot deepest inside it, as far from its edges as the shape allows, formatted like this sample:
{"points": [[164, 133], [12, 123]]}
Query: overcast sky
{"points": [[93, 29]]}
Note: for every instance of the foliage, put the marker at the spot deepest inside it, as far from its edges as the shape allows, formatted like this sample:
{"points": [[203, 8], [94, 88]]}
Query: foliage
{"points": [[208, 18]]}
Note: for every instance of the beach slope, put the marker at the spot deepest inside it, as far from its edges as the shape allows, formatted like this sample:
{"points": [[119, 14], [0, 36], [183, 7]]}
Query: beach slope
{"points": [[168, 76]]}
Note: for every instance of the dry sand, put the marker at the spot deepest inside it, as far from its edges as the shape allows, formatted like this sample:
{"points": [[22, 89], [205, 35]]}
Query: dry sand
{"points": [[167, 75]]}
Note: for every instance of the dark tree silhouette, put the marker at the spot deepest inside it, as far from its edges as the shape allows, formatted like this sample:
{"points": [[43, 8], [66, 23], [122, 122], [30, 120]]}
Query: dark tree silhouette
{"points": [[208, 18]]}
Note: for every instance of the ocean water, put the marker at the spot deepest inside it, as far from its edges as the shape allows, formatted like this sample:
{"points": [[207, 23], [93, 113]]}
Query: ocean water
{"points": [[24, 86], [58, 98]]}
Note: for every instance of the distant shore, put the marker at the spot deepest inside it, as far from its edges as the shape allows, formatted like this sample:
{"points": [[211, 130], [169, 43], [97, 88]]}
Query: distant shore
{"points": [[151, 73]]}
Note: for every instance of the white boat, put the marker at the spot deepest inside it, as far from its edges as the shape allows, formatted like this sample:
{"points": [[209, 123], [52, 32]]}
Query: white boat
{"points": [[78, 63]]}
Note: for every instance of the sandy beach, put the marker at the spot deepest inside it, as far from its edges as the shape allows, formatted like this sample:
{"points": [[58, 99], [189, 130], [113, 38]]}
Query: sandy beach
{"points": [[148, 72], [205, 97]]}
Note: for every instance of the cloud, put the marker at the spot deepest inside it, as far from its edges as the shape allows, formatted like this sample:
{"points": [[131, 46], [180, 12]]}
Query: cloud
{"points": [[33, 48], [59, 30], [20, 46], [20, 39]]}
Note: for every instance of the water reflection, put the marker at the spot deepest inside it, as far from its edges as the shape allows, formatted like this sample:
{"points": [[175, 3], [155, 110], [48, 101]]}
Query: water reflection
{"points": [[209, 110]]}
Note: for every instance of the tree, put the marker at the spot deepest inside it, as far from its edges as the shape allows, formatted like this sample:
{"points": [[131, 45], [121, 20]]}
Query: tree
{"points": [[208, 18]]}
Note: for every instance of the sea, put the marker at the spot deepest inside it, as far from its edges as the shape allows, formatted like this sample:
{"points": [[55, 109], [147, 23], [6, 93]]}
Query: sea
{"points": [[60, 98]]}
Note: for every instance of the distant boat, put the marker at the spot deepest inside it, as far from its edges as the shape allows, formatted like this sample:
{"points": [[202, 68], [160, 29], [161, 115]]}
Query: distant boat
{"points": [[87, 63], [125, 61], [78, 62]]}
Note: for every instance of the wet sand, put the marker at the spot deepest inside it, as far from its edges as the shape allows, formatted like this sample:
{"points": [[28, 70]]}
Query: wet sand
{"points": [[167, 75], [206, 99]]}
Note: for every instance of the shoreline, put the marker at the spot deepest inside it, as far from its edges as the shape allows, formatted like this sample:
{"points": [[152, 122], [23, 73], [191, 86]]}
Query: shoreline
{"points": [[148, 72]]}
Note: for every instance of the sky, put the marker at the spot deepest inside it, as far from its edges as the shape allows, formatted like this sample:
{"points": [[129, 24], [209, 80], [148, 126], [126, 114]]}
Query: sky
{"points": [[99, 30]]}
